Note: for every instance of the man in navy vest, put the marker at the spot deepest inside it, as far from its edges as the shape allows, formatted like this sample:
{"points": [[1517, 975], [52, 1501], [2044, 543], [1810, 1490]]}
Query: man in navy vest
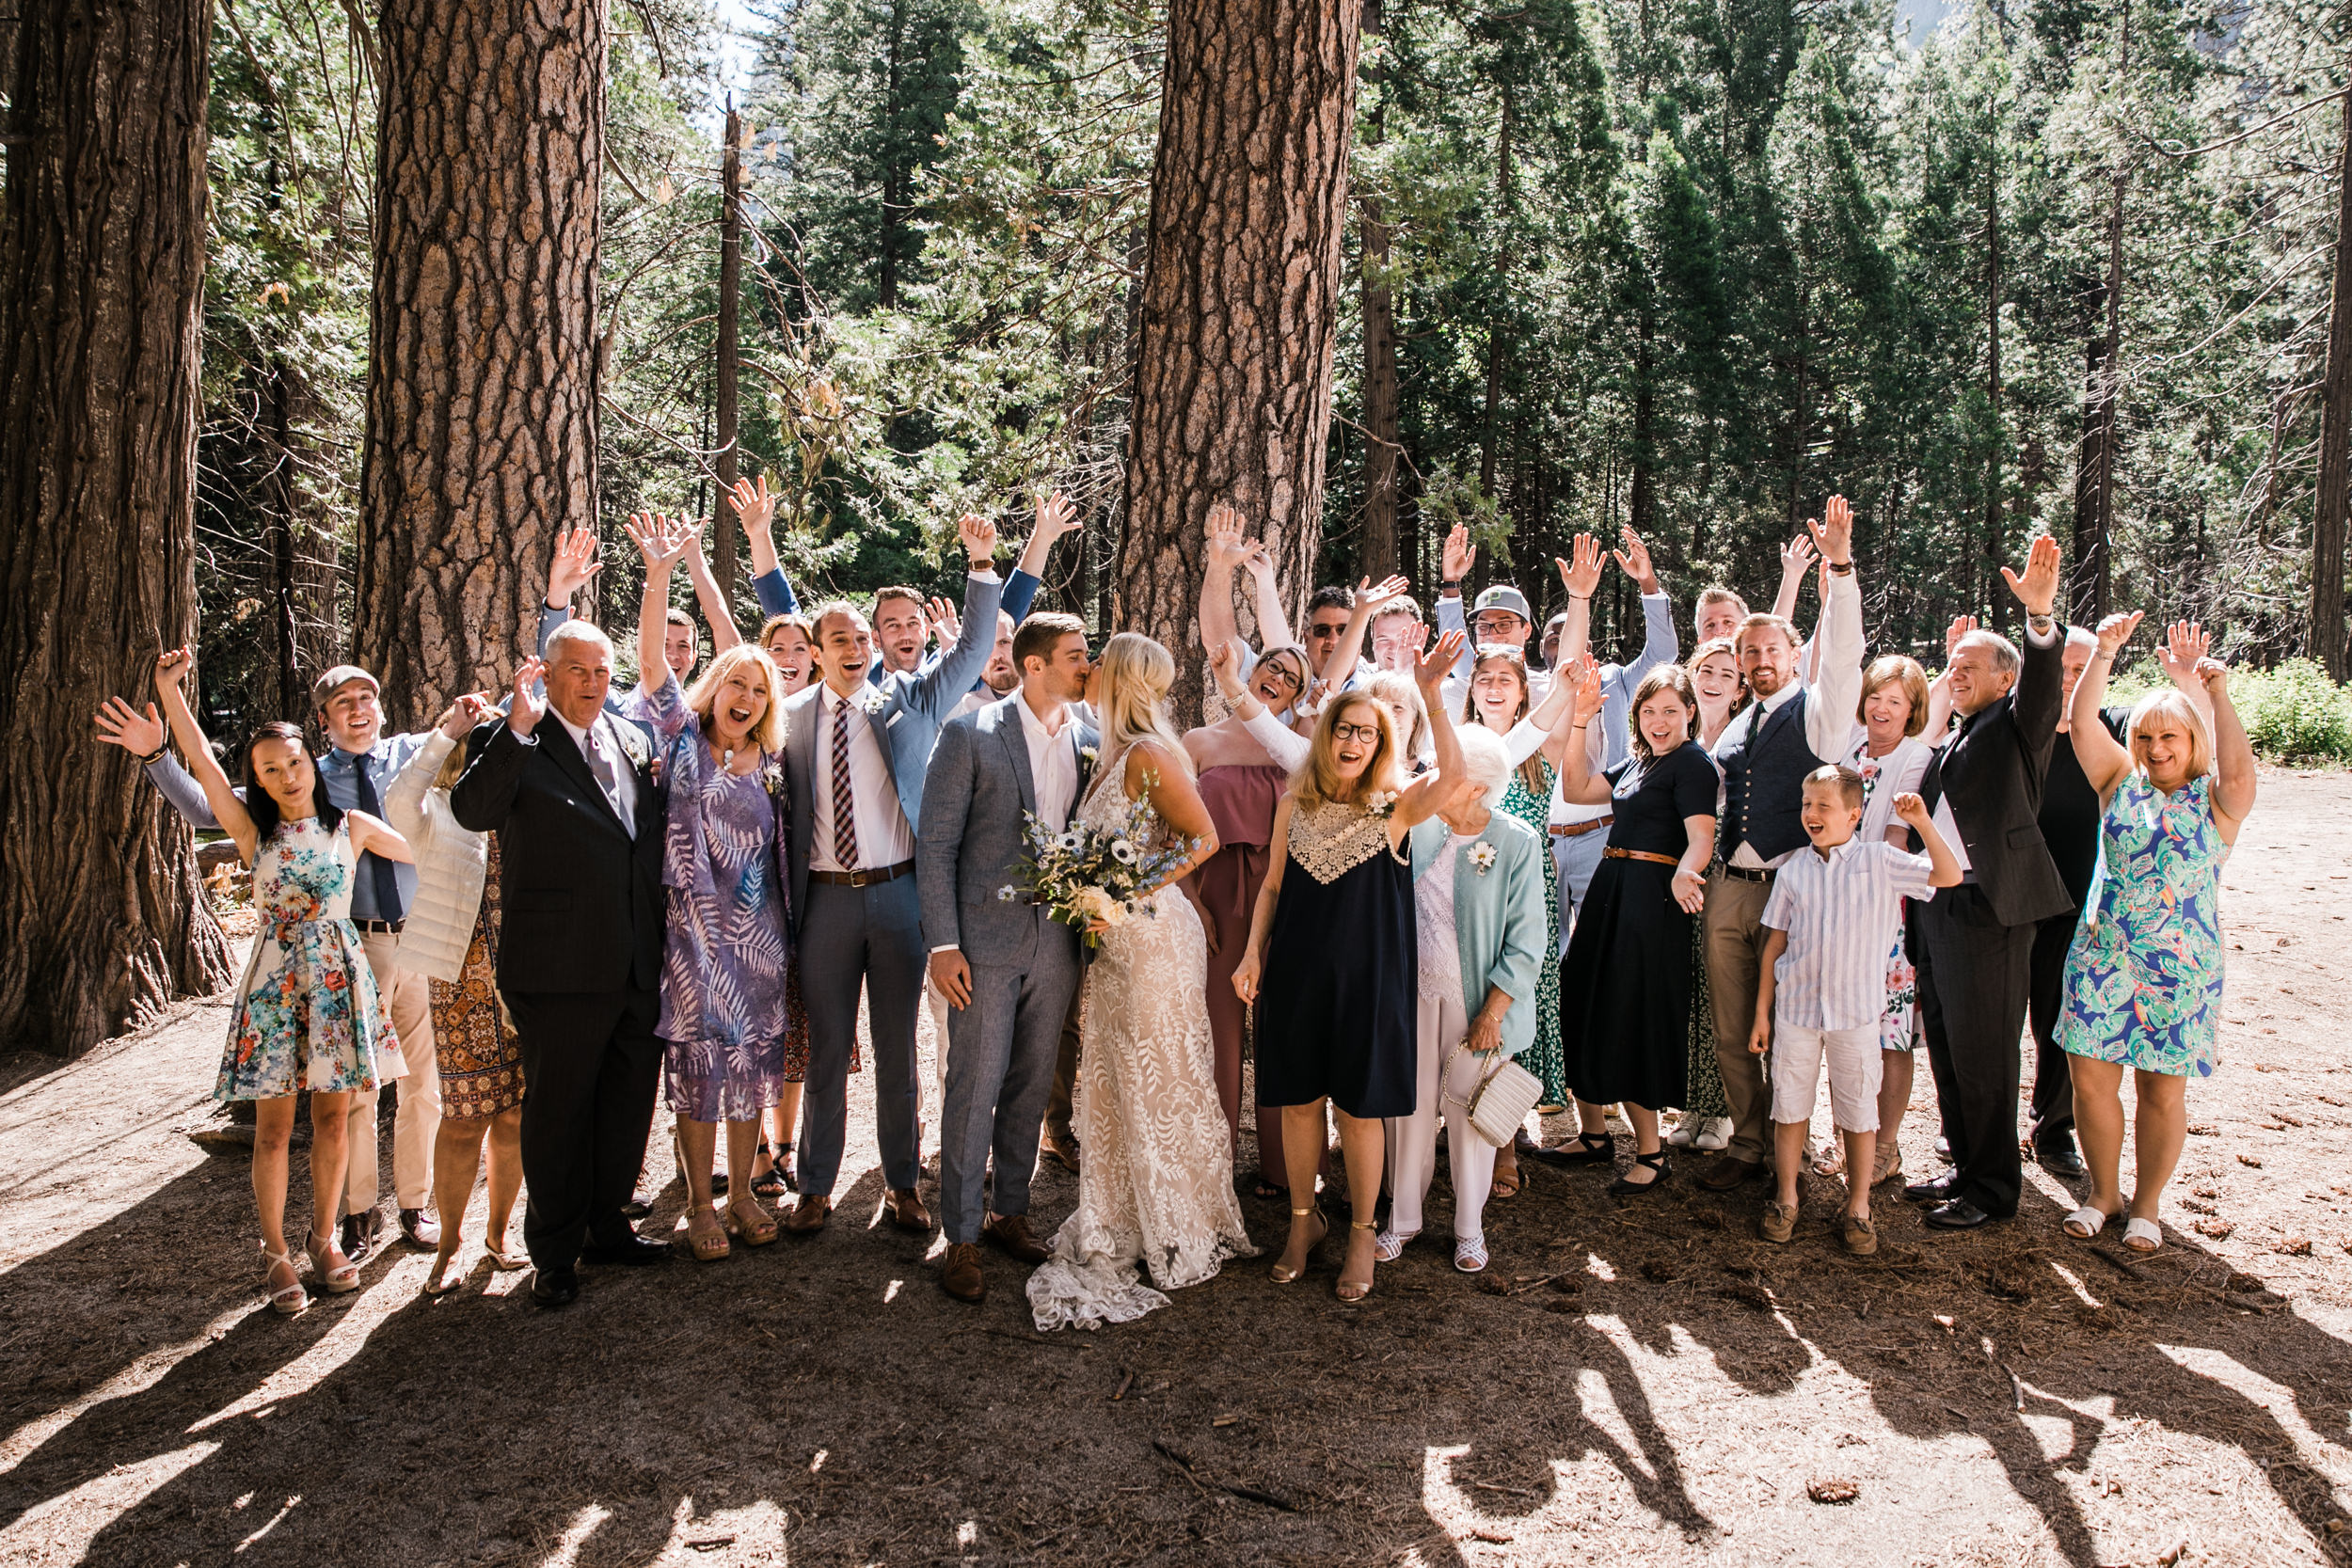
{"points": [[1791, 728]]}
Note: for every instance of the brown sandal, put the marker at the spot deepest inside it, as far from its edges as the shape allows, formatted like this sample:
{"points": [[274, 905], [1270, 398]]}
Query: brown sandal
{"points": [[758, 1228], [709, 1244]]}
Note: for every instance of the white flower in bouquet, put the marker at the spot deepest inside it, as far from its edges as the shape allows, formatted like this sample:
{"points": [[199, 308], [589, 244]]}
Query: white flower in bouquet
{"points": [[1124, 852], [1097, 904], [1380, 802], [1070, 842]]}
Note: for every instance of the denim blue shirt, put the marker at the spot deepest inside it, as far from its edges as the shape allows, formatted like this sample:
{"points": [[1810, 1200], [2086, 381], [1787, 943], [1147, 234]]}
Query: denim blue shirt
{"points": [[776, 598]]}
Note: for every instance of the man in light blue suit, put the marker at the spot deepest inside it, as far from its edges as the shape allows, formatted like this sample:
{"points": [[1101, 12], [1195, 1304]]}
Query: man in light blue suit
{"points": [[853, 763]]}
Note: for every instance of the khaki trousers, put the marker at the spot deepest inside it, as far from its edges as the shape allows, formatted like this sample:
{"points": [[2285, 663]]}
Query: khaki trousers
{"points": [[1735, 949], [406, 996]]}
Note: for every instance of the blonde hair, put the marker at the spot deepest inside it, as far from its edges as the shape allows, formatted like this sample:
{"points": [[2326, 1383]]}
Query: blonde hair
{"points": [[1899, 670], [2175, 704], [1136, 675], [702, 696], [1318, 782], [1395, 686], [452, 767]]}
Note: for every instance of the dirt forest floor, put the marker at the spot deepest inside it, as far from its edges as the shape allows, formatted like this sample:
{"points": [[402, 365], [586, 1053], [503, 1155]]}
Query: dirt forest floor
{"points": [[1645, 1384]]}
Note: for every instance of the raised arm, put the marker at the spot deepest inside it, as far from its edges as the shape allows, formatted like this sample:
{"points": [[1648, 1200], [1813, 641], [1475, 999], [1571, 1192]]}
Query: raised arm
{"points": [[2181, 654], [1419, 801], [662, 541], [755, 509], [1341, 666], [1266, 596], [1579, 784], [712, 598], [1796, 558], [575, 561], [1458, 557], [2041, 685], [1659, 645], [2105, 761], [403, 801], [149, 742], [1056, 516], [2233, 753], [1580, 576], [171, 672], [1227, 550], [1837, 693], [485, 793], [1286, 746], [942, 684]]}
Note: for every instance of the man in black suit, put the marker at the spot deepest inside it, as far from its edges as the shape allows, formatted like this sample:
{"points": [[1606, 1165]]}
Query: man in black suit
{"points": [[1975, 941], [579, 817]]}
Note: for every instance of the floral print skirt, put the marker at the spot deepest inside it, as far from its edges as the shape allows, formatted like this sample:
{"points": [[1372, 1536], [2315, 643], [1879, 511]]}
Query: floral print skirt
{"points": [[307, 1017]]}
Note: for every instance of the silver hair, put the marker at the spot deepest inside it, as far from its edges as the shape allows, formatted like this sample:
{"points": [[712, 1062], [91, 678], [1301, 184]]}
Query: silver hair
{"points": [[2004, 655], [2081, 637], [577, 631], [1485, 759]]}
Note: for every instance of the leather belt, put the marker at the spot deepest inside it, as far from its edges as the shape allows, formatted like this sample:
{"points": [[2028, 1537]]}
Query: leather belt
{"points": [[864, 879], [1748, 874], [1614, 854], [379, 928], [1577, 830]]}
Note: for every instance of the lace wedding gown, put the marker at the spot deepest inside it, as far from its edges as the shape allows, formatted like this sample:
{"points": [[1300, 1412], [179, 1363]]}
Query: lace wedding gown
{"points": [[1155, 1185]]}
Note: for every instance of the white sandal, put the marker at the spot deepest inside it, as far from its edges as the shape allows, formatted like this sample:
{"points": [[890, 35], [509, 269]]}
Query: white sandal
{"points": [[2143, 1235], [1469, 1255], [1388, 1246], [338, 1280], [2086, 1222], [291, 1300]]}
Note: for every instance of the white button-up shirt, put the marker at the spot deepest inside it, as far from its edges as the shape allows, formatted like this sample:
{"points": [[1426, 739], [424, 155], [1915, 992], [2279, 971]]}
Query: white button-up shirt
{"points": [[1053, 761], [884, 838], [624, 774], [1840, 911], [1829, 717]]}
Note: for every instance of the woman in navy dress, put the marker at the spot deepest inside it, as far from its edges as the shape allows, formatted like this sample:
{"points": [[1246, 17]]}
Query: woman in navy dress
{"points": [[1626, 982], [1333, 938]]}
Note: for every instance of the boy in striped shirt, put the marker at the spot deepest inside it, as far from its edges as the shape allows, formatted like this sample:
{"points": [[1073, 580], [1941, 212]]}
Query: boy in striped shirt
{"points": [[1830, 922]]}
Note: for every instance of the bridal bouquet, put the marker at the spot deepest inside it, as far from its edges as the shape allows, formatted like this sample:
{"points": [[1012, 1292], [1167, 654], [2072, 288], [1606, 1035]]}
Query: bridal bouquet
{"points": [[1082, 875]]}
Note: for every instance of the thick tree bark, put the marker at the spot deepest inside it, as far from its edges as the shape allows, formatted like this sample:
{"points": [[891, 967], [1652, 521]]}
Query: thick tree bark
{"points": [[102, 268], [1239, 304], [1994, 552], [1495, 342], [2326, 638], [730, 313], [2094, 465], [1380, 411], [484, 360]]}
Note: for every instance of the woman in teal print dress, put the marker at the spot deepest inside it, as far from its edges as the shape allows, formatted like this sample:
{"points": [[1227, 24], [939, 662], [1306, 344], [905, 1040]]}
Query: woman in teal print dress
{"points": [[2143, 979], [306, 1018]]}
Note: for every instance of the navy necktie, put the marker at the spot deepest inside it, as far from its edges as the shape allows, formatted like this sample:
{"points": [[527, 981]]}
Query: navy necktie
{"points": [[380, 872]]}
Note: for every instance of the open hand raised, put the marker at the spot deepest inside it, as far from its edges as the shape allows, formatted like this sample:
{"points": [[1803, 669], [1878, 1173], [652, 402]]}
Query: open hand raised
{"points": [[754, 508], [524, 712], [1581, 574], [1429, 668], [1459, 556], [2186, 646], [946, 625], [2037, 590], [660, 539], [2116, 630], [1961, 625], [1228, 547], [458, 719], [1056, 516], [1634, 562], [1369, 597], [120, 724], [1834, 534], [575, 561]]}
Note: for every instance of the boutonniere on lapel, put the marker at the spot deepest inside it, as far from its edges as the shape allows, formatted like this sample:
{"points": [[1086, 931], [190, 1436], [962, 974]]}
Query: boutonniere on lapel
{"points": [[869, 702], [772, 780], [1088, 757], [634, 748], [1482, 855], [1380, 803]]}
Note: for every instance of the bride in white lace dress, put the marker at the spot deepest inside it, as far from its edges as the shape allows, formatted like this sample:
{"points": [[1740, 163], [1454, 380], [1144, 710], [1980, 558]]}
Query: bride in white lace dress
{"points": [[1155, 1186]]}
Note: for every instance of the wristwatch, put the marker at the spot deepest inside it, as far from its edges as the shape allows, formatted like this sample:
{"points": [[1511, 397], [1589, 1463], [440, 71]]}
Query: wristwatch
{"points": [[1841, 568], [2040, 624]]}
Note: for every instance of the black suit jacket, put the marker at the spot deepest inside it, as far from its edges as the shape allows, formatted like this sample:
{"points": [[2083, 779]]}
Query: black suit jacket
{"points": [[580, 903], [1993, 772]]}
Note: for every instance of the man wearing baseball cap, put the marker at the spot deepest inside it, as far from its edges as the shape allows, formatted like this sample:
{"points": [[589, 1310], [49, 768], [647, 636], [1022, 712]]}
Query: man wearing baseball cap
{"points": [[356, 769]]}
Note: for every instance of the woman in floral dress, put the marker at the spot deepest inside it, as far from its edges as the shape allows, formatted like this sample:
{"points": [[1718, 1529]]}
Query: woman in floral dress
{"points": [[305, 1017], [2142, 987], [724, 1011]]}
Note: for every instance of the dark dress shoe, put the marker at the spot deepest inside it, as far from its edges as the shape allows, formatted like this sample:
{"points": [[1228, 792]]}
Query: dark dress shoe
{"points": [[358, 1235], [1944, 1149], [907, 1211], [959, 1275], [1956, 1214], [1062, 1149], [636, 1252], [553, 1287], [2061, 1159], [1011, 1234], [419, 1228], [1935, 1191], [1729, 1172], [635, 1208]]}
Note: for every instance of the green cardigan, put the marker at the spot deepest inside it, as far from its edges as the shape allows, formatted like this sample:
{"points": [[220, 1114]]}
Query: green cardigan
{"points": [[1497, 917]]}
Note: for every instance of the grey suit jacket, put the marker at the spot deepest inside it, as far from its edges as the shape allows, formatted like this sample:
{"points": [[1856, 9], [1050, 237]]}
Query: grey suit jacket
{"points": [[974, 837]]}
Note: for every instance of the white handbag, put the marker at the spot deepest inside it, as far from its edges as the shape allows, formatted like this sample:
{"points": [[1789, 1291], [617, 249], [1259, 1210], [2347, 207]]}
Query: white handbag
{"points": [[1500, 1105]]}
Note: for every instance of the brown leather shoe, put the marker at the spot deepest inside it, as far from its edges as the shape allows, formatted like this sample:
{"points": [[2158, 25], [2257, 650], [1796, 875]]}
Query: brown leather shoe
{"points": [[1062, 1149], [907, 1211], [807, 1217], [1729, 1172], [1011, 1234], [960, 1273]]}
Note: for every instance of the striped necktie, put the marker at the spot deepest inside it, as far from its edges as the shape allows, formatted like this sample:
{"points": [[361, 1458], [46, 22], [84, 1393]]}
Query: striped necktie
{"points": [[844, 800]]}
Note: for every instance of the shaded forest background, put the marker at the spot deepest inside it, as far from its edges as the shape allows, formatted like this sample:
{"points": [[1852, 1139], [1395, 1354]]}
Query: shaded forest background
{"points": [[1686, 265]]}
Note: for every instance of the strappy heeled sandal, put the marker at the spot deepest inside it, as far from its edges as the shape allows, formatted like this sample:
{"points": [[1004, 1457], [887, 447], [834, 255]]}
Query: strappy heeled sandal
{"points": [[708, 1245], [1469, 1255], [446, 1276], [1281, 1275], [1621, 1187], [287, 1301], [1590, 1148], [1347, 1290], [1391, 1246], [755, 1229], [773, 1183], [336, 1279], [503, 1259]]}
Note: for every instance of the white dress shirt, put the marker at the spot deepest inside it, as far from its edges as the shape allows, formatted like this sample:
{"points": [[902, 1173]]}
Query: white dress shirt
{"points": [[1053, 761], [1840, 911], [1829, 717], [884, 838], [624, 771]]}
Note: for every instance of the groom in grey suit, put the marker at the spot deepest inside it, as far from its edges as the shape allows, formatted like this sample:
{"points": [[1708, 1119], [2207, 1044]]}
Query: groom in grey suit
{"points": [[1007, 968]]}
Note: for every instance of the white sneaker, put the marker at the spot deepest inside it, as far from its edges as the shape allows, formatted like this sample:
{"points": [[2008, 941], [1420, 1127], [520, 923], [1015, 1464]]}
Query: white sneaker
{"points": [[1682, 1133], [1714, 1133]]}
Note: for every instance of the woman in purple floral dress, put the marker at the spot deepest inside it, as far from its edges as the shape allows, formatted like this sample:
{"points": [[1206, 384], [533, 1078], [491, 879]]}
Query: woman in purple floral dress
{"points": [[724, 1011], [306, 1019]]}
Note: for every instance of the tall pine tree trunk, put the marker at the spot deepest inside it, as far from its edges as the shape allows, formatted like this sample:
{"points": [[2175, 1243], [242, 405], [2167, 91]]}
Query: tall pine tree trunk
{"points": [[2326, 638], [102, 269], [729, 367], [482, 370], [1994, 553], [2094, 465], [1380, 419], [1240, 302], [1494, 318]]}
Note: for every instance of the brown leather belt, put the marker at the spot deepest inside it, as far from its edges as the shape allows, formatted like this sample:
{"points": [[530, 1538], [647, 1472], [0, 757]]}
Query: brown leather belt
{"points": [[1577, 830], [1614, 854], [864, 879]]}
